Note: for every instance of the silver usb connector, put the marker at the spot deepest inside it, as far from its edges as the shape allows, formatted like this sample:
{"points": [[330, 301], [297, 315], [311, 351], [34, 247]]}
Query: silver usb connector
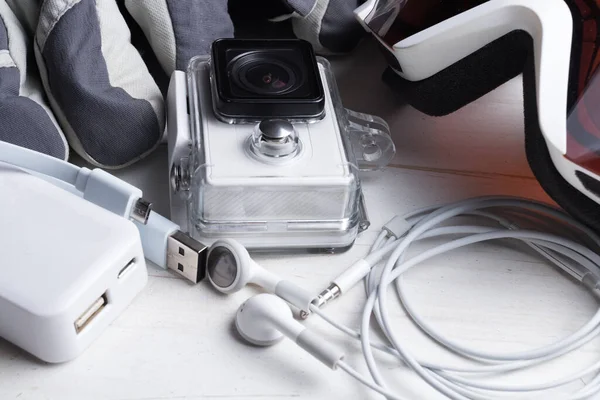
{"points": [[186, 256]]}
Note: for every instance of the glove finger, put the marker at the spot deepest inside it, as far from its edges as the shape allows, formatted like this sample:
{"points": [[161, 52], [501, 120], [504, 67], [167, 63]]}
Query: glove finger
{"points": [[181, 29], [25, 119], [99, 87], [329, 25], [300, 7]]}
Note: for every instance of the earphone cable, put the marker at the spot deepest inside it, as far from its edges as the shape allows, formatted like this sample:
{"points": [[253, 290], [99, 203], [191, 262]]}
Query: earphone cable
{"points": [[502, 216]]}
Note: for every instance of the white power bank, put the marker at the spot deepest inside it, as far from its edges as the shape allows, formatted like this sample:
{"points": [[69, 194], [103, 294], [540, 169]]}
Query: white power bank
{"points": [[68, 268]]}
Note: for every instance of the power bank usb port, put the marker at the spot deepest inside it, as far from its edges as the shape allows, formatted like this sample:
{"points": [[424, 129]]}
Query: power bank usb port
{"points": [[91, 313]]}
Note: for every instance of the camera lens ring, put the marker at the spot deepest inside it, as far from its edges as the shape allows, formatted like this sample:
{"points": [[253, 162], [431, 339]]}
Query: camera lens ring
{"points": [[260, 73]]}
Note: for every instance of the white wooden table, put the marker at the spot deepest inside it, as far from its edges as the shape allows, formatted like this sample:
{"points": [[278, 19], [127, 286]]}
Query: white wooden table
{"points": [[177, 341]]}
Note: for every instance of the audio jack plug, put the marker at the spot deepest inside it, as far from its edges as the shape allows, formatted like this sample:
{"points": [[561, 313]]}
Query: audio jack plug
{"points": [[343, 283], [332, 292]]}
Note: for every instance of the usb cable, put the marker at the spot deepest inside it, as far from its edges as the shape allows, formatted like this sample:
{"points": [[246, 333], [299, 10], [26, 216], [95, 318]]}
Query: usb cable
{"points": [[163, 241]]}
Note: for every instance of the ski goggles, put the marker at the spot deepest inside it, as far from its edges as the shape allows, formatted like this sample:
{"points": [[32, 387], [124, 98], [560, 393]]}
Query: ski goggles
{"points": [[445, 54]]}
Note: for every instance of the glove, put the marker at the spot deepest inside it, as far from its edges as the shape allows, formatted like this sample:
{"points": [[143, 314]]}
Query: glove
{"points": [[178, 30], [97, 85], [100, 89], [329, 25], [25, 117]]}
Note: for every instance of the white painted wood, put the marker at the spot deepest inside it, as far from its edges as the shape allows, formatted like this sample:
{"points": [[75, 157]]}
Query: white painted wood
{"points": [[177, 342]]}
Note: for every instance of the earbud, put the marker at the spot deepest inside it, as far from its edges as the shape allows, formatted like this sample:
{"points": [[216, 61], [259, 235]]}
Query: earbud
{"points": [[264, 320], [230, 268]]}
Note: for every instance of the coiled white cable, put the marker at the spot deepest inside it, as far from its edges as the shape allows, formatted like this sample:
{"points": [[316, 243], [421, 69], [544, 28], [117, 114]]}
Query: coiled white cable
{"points": [[578, 258]]}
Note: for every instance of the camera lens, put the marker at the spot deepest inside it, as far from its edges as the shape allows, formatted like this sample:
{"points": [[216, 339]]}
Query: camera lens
{"points": [[260, 74]]}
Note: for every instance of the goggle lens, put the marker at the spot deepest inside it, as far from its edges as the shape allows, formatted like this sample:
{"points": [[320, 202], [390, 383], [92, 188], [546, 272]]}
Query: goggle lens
{"points": [[583, 124]]}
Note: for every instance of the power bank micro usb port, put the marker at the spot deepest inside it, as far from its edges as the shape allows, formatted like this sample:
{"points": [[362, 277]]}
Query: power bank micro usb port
{"points": [[91, 313], [127, 268]]}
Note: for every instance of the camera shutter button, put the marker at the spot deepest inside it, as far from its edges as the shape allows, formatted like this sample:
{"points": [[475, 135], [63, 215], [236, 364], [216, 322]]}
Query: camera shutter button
{"points": [[276, 129], [275, 139]]}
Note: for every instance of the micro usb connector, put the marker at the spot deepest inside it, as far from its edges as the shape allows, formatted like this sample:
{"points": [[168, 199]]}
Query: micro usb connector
{"points": [[186, 256]]}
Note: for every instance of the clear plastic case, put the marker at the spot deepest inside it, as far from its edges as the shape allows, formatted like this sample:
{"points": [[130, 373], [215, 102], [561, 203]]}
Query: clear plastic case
{"points": [[311, 199]]}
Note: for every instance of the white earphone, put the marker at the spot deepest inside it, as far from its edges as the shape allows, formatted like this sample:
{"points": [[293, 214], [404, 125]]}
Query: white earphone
{"points": [[265, 319], [229, 268]]}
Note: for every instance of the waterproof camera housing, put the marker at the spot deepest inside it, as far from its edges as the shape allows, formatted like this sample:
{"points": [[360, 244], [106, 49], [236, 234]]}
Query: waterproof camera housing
{"points": [[262, 151]]}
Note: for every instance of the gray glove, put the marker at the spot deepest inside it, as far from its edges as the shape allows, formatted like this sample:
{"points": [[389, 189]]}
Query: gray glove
{"points": [[25, 117], [178, 30], [96, 83], [329, 25]]}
